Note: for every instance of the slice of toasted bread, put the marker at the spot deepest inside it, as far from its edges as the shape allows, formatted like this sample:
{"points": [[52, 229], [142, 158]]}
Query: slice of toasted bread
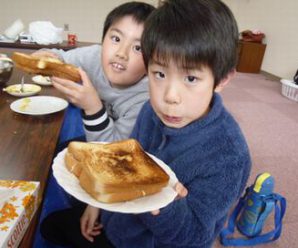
{"points": [[117, 196], [116, 171], [72, 164], [77, 153], [46, 66]]}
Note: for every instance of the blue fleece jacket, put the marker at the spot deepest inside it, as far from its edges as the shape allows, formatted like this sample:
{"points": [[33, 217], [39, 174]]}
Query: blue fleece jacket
{"points": [[210, 158]]}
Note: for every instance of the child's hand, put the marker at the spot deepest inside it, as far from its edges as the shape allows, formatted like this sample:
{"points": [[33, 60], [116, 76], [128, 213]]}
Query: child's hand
{"points": [[82, 95], [42, 53], [89, 223], [181, 192]]}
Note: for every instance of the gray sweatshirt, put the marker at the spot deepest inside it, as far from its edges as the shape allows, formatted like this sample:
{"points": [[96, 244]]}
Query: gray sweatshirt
{"points": [[121, 106]]}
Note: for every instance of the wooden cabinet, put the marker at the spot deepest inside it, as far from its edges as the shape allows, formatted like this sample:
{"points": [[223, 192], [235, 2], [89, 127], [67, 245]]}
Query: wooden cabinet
{"points": [[250, 56]]}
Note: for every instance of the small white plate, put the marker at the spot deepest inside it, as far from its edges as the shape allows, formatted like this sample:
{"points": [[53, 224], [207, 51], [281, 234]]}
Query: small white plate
{"points": [[29, 90], [38, 105], [42, 80], [70, 183]]}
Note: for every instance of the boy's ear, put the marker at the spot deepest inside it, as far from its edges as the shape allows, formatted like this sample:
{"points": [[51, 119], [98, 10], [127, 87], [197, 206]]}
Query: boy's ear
{"points": [[225, 81]]}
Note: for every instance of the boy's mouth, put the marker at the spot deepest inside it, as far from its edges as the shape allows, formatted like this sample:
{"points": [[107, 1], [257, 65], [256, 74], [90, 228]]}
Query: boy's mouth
{"points": [[118, 66], [172, 119]]}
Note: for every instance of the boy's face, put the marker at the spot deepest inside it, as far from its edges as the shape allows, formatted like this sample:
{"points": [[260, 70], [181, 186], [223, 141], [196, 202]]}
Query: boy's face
{"points": [[180, 96], [122, 59]]}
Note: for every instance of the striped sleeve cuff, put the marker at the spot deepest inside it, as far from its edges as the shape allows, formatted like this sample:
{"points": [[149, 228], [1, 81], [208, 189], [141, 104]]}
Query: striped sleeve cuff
{"points": [[97, 121]]}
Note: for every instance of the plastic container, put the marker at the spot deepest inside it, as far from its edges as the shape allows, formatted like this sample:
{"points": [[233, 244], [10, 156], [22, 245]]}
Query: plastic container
{"points": [[289, 89]]}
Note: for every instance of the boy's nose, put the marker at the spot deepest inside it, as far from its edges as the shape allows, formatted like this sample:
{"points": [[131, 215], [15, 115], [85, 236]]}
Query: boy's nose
{"points": [[122, 52], [172, 95]]}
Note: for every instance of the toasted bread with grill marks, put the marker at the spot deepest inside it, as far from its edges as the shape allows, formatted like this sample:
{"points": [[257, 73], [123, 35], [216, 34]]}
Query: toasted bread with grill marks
{"points": [[46, 66], [114, 172]]}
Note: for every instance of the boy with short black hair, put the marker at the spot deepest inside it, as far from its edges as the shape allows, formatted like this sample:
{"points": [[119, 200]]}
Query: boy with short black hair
{"points": [[190, 50], [114, 87], [115, 84]]}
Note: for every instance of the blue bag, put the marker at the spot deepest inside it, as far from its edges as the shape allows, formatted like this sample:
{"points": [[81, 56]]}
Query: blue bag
{"points": [[251, 213]]}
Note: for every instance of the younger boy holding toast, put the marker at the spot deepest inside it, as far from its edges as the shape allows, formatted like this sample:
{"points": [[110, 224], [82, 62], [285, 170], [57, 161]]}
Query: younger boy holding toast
{"points": [[190, 50]]}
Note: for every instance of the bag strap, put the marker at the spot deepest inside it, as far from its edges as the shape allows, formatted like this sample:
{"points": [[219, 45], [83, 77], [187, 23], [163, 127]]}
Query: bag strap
{"points": [[261, 239]]}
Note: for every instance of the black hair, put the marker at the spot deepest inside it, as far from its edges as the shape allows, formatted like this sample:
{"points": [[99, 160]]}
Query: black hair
{"points": [[138, 10], [193, 33]]}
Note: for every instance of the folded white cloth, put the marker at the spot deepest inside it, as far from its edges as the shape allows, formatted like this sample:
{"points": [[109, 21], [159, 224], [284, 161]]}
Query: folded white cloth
{"points": [[45, 33]]}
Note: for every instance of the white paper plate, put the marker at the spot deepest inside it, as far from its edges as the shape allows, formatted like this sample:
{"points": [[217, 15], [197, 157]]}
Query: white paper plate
{"points": [[38, 105], [29, 90], [70, 183], [42, 80]]}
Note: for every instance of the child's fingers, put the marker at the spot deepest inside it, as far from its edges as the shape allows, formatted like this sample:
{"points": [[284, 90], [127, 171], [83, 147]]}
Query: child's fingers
{"points": [[88, 223], [65, 83], [95, 233], [93, 229], [63, 89], [87, 230], [96, 230], [84, 76], [155, 212], [68, 88], [90, 226], [181, 190], [97, 226], [84, 228], [87, 236]]}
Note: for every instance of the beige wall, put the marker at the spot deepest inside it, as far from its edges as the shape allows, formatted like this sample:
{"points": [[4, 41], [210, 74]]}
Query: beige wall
{"points": [[85, 17], [277, 18]]}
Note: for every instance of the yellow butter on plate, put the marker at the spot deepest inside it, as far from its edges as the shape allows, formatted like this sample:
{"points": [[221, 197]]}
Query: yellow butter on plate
{"points": [[24, 104], [28, 90]]}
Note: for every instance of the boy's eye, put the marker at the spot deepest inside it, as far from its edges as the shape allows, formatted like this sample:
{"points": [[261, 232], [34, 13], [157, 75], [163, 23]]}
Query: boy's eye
{"points": [[115, 38], [191, 79], [159, 75], [137, 48]]}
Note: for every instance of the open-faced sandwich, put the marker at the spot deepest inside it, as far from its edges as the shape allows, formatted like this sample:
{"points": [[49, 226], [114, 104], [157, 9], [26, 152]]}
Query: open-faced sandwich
{"points": [[46, 66]]}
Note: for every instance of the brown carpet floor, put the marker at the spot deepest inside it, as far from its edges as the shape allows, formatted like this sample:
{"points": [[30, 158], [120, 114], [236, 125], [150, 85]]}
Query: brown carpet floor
{"points": [[269, 122]]}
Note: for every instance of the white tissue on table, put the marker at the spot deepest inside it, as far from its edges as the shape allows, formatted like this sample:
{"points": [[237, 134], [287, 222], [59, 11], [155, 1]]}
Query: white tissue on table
{"points": [[5, 194], [13, 31], [45, 33]]}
